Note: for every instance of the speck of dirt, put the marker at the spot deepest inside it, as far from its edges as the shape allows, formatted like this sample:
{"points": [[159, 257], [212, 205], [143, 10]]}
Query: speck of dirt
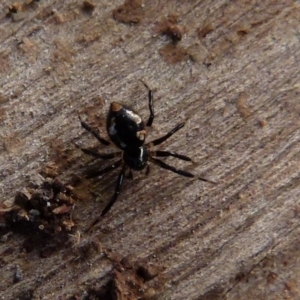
{"points": [[272, 276], [263, 123], [16, 7], [204, 30], [243, 106], [173, 53], [243, 32], [130, 12], [168, 26], [148, 272], [20, 10], [88, 6], [4, 67]]}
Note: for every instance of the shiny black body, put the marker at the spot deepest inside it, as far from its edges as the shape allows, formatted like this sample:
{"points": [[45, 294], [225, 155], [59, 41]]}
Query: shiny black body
{"points": [[123, 125], [127, 131]]}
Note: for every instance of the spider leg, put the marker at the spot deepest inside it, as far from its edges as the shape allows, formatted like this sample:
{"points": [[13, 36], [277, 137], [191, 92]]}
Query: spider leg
{"points": [[103, 171], [163, 165], [166, 136], [170, 153], [93, 132], [111, 167], [100, 155], [116, 193], [151, 109]]}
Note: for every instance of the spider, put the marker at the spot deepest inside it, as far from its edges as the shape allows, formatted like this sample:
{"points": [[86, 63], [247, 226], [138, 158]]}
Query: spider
{"points": [[126, 130]]}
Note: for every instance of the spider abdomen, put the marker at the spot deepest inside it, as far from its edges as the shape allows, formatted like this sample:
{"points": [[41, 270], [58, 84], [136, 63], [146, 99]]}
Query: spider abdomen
{"points": [[125, 127]]}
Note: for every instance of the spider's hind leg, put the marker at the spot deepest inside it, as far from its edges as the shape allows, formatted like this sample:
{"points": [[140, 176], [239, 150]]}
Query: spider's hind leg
{"points": [[163, 165], [160, 153], [116, 193]]}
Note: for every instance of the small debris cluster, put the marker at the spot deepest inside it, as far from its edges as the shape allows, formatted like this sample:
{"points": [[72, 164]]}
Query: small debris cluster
{"points": [[88, 6], [130, 12], [46, 208], [19, 10], [172, 52], [168, 26], [130, 280]]}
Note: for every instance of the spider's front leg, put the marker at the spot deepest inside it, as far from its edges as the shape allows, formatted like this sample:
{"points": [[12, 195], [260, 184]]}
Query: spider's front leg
{"points": [[93, 132], [99, 155], [166, 136], [150, 102]]}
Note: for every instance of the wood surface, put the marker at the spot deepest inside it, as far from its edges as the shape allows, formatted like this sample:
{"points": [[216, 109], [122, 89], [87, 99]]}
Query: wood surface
{"points": [[233, 77]]}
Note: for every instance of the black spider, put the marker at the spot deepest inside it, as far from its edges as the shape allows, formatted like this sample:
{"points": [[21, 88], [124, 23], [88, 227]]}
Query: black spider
{"points": [[126, 130]]}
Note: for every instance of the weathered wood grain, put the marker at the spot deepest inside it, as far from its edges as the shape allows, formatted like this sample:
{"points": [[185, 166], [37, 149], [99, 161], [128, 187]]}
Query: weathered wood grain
{"points": [[238, 89]]}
